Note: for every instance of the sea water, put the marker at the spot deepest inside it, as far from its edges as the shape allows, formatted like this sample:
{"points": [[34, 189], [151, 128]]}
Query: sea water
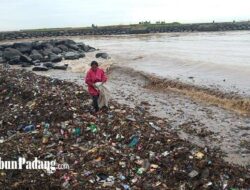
{"points": [[213, 59]]}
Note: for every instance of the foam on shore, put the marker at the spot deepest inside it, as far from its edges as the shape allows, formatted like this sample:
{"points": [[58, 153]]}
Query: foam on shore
{"points": [[83, 65], [231, 101]]}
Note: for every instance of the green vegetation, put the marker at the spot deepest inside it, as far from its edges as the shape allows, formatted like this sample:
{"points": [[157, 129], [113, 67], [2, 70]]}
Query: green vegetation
{"points": [[139, 26]]}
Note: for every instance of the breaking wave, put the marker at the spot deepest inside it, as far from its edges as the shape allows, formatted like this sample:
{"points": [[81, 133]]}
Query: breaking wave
{"points": [[230, 101]]}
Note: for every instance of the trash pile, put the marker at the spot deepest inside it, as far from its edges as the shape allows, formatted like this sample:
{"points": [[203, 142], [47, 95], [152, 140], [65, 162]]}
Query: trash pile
{"points": [[121, 148]]}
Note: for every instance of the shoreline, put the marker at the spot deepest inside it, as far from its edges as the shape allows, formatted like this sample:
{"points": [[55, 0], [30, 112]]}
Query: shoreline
{"points": [[187, 165]]}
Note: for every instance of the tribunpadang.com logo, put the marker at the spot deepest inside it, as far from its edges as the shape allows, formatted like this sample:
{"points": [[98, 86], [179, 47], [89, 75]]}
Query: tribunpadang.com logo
{"points": [[36, 164]]}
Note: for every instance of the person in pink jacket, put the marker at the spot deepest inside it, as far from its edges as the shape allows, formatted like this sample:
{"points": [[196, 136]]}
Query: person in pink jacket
{"points": [[95, 74]]}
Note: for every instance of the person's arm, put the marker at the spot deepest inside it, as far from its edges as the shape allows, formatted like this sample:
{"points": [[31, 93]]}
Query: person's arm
{"points": [[88, 80], [104, 77]]}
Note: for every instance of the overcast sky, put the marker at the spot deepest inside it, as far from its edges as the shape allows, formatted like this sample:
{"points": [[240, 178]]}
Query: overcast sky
{"points": [[28, 14]]}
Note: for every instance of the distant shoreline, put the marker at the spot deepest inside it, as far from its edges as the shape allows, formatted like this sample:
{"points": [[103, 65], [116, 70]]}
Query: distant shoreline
{"points": [[142, 28]]}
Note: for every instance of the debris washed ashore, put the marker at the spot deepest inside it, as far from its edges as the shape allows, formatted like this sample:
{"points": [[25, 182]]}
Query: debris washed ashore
{"points": [[121, 148]]}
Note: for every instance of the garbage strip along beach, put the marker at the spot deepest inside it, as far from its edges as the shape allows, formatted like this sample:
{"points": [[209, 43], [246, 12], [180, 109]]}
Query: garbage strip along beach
{"points": [[120, 148]]}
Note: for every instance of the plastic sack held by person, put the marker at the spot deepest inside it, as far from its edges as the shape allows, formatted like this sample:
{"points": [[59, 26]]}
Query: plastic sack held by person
{"points": [[94, 79]]}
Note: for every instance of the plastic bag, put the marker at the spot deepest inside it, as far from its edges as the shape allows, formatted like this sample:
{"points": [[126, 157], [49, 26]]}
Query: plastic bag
{"points": [[104, 95]]}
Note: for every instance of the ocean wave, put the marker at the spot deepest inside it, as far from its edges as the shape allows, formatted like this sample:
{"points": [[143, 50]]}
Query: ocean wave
{"points": [[228, 100]]}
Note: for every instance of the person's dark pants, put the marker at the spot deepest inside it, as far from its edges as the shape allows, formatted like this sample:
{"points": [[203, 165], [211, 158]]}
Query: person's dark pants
{"points": [[95, 103]]}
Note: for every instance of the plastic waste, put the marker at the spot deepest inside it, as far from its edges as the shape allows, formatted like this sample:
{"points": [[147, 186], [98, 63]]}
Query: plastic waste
{"points": [[134, 141], [45, 139], [130, 118], [121, 176], [199, 155], [126, 187], [193, 174], [29, 128], [77, 131], [140, 171], [92, 128], [154, 126], [1, 140], [101, 177]]}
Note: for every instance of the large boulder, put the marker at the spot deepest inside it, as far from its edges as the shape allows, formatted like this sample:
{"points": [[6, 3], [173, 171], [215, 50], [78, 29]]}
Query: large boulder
{"points": [[24, 58], [24, 47], [63, 47], [85, 48], [46, 52], [13, 56], [91, 49], [56, 50], [81, 54], [9, 53], [1, 53], [4, 46], [36, 61], [35, 55], [102, 55], [25, 64], [40, 68], [47, 45], [15, 60], [60, 67], [73, 46], [71, 55], [2, 60], [46, 59], [48, 64], [52, 42], [66, 42], [37, 64], [55, 58], [38, 45]]}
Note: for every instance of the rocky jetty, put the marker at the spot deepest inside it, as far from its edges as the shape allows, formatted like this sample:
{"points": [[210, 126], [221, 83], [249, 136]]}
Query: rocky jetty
{"points": [[126, 29], [42, 55]]}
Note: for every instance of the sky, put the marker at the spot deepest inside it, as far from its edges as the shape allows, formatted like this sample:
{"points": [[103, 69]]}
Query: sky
{"points": [[31, 14]]}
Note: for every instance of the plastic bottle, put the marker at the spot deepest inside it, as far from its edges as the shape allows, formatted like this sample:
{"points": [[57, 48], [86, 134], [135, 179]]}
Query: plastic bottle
{"points": [[29, 128], [77, 131], [93, 128], [134, 141]]}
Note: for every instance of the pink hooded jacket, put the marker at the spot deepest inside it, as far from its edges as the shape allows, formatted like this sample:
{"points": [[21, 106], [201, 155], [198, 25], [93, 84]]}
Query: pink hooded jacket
{"points": [[92, 77]]}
